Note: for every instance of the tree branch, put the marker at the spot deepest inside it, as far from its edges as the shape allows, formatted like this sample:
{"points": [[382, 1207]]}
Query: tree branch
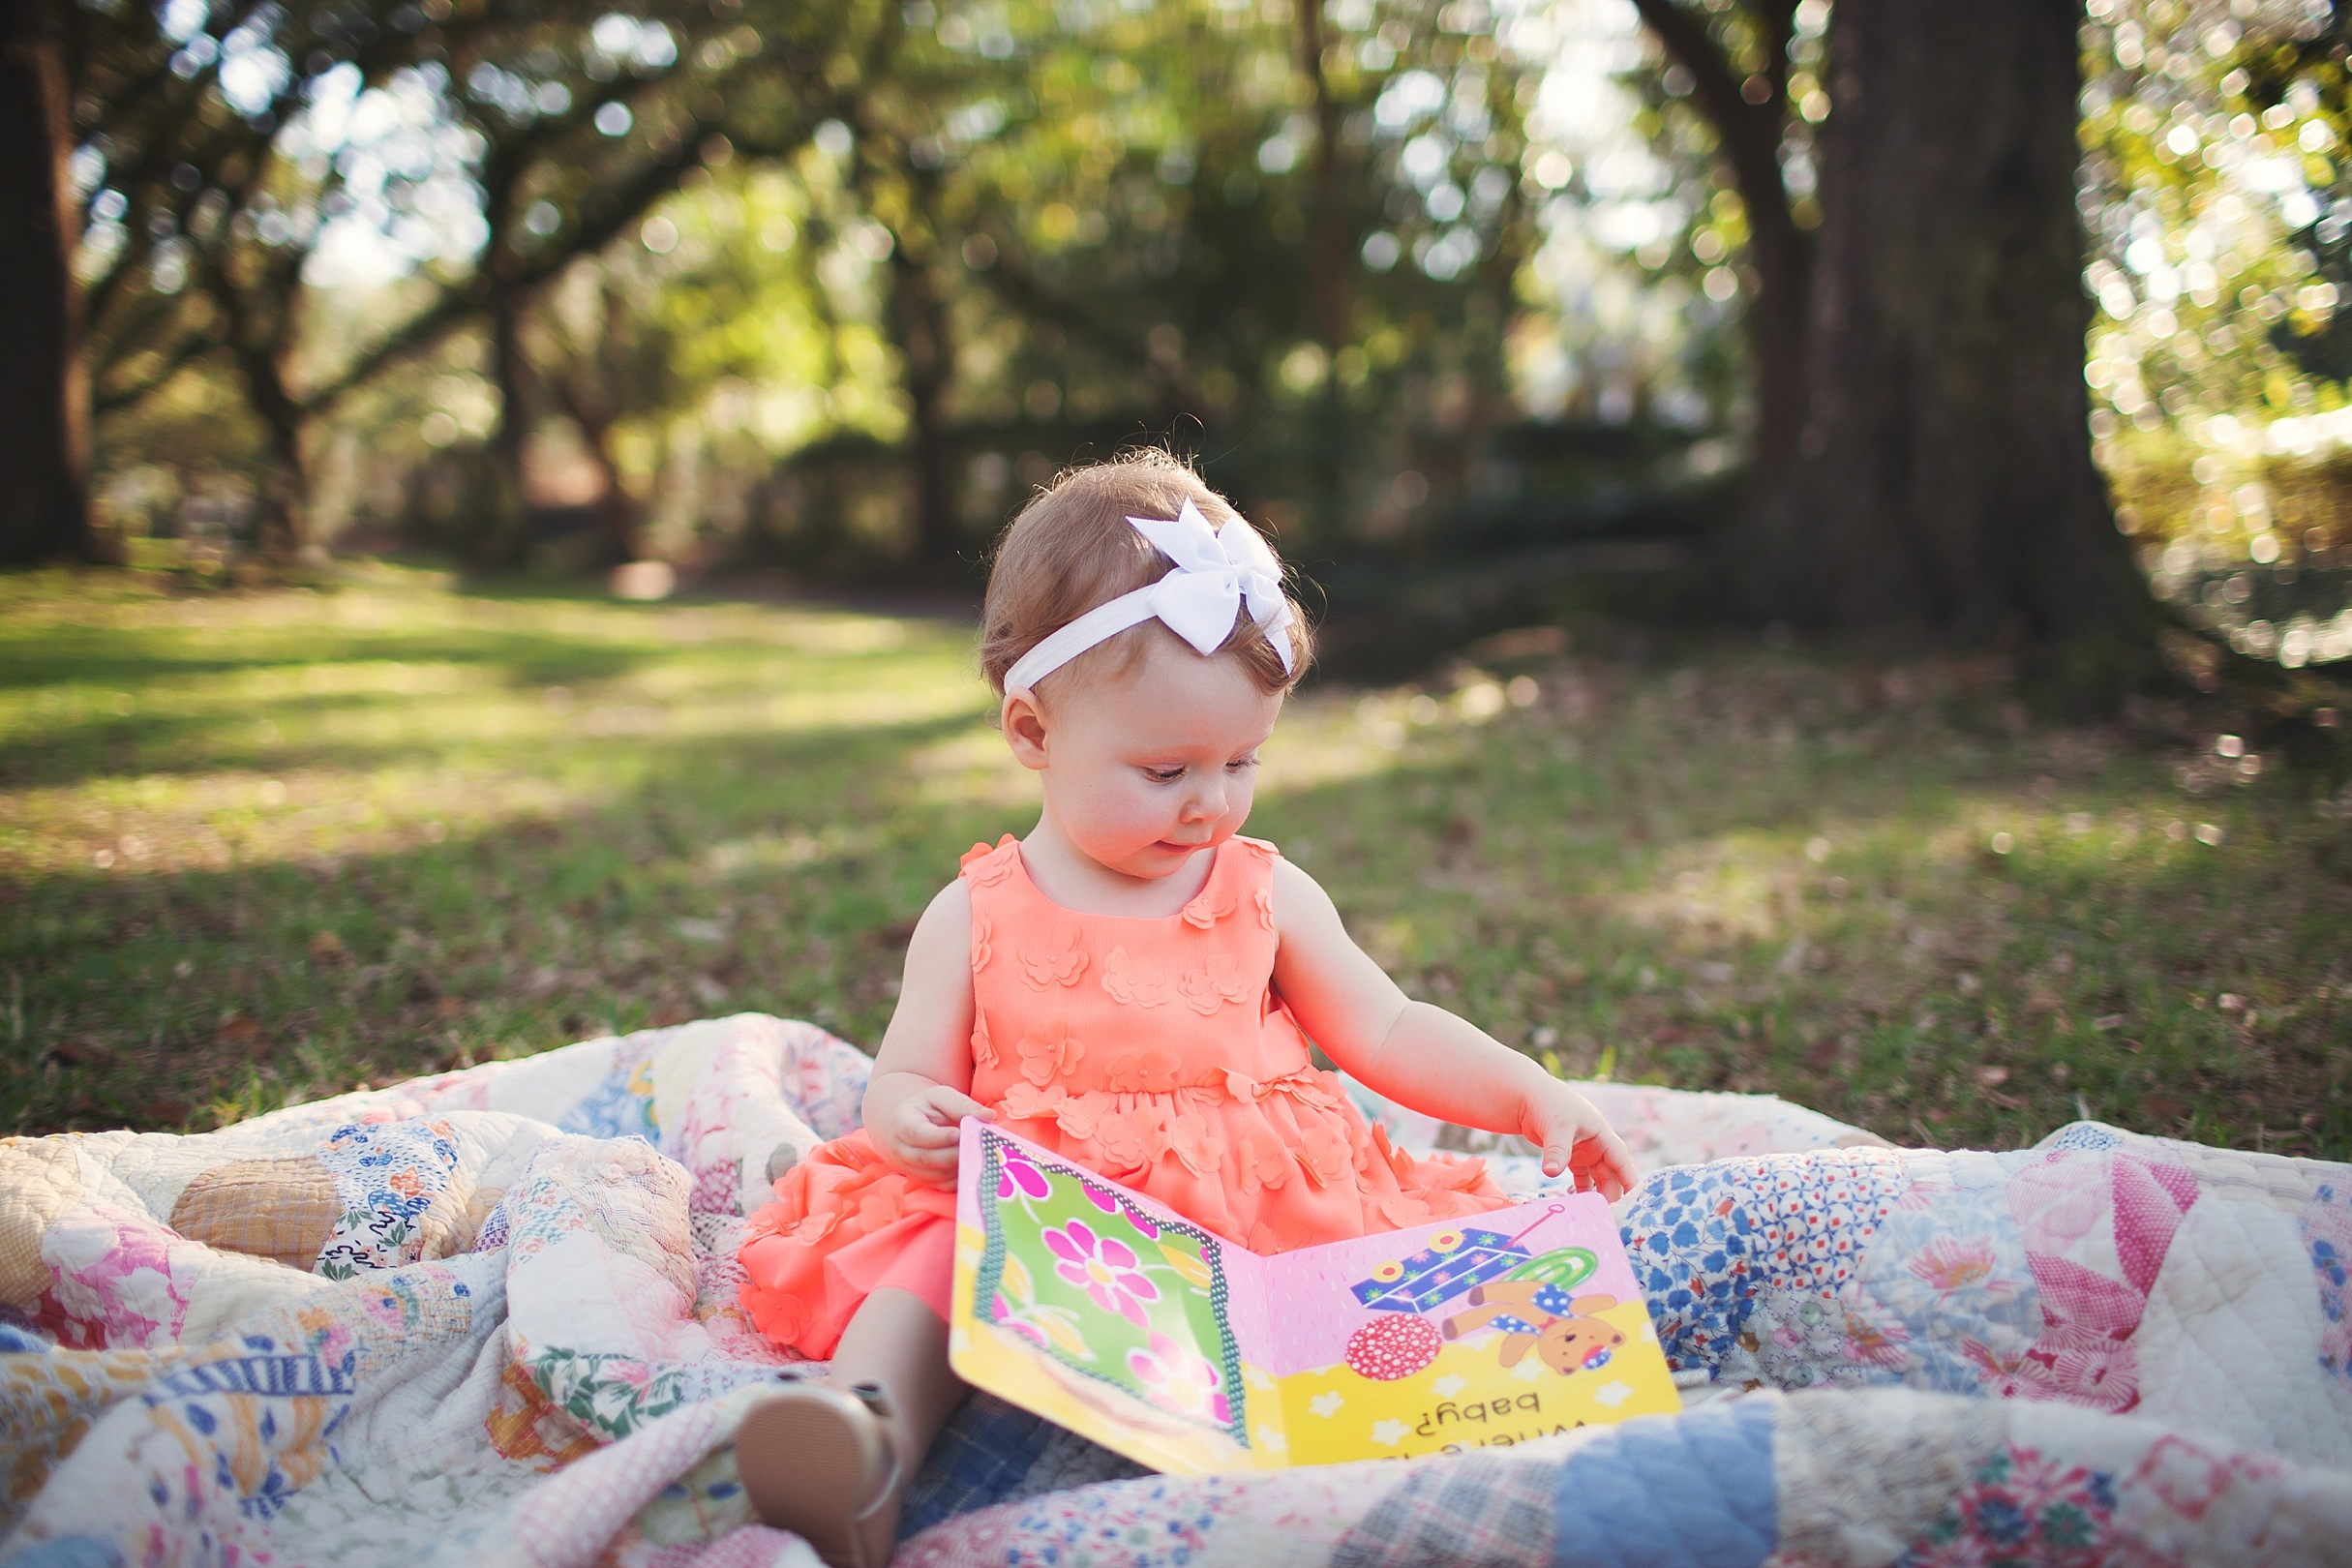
{"points": [[1750, 133], [192, 347]]}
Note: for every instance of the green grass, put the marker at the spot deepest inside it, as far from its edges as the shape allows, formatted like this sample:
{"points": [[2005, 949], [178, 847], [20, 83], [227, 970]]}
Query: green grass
{"points": [[266, 846]]}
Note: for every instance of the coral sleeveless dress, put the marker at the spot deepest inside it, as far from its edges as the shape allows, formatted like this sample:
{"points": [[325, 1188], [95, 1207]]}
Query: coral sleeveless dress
{"points": [[1153, 1051]]}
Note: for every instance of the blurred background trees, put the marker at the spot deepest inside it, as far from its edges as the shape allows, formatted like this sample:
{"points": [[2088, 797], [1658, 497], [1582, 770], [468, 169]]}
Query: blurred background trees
{"points": [[1799, 292]]}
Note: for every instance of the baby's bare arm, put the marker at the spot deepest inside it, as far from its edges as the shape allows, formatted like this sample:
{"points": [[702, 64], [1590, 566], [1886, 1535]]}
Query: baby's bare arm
{"points": [[923, 1071], [1422, 1056]]}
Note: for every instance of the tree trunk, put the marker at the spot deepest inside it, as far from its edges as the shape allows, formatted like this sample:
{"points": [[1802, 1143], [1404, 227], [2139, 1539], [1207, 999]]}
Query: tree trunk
{"points": [[44, 391], [261, 337], [501, 527], [1943, 479]]}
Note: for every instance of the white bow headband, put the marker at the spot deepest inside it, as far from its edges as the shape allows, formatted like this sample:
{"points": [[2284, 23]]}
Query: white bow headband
{"points": [[1217, 571]]}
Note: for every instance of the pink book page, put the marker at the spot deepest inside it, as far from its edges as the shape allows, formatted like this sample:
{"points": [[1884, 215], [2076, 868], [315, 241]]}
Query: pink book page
{"points": [[1311, 1302]]}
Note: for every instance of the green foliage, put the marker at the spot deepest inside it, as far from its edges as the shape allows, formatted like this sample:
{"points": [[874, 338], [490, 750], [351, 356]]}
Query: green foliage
{"points": [[2219, 206], [259, 848], [689, 240]]}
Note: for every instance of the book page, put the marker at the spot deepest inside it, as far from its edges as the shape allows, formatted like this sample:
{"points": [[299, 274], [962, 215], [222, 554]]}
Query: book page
{"points": [[1483, 1332], [1104, 1312]]}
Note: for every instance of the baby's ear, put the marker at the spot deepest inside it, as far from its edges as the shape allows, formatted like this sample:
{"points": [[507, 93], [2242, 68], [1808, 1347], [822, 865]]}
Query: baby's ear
{"points": [[1023, 722]]}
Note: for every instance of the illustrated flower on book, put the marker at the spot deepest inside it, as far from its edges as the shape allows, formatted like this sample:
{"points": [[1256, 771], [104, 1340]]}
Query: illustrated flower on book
{"points": [[1107, 1267], [1179, 1379], [1019, 1176]]}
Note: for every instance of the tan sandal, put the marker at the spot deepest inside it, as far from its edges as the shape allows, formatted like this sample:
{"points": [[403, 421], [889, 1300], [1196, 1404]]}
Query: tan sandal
{"points": [[816, 1461]]}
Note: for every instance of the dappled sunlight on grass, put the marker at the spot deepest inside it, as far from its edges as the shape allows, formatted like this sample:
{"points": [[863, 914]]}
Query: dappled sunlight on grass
{"points": [[263, 756], [261, 847]]}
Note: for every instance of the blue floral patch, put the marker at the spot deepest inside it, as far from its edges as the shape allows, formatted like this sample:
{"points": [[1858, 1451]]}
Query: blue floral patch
{"points": [[385, 1178], [1691, 1237], [621, 1105], [1705, 1239], [2089, 1135], [2326, 1223]]}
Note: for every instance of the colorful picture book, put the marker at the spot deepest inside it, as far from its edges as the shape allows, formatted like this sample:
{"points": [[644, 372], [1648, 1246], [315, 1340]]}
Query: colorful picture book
{"points": [[1103, 1311]]}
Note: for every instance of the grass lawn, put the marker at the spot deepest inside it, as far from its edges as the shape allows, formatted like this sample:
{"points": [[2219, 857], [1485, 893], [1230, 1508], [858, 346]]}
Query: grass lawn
{"points": [[263, 847]]}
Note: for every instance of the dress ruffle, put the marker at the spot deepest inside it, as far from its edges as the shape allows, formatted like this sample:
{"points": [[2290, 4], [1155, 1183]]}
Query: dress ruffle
{"points": [[844, 1224]]}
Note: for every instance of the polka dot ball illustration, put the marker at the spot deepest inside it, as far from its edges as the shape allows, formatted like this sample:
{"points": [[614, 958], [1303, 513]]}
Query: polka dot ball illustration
{"points": [[1393, 1345]]}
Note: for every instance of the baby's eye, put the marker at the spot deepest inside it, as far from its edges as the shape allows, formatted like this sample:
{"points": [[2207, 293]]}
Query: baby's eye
{"points": [[1242, 764], [1163, 775]]}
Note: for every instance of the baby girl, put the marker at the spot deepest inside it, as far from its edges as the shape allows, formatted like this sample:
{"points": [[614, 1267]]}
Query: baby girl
{"points": [[1134, 986]]}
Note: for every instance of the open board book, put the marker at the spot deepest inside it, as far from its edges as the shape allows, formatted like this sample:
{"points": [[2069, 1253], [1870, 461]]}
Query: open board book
{"points": [[1105, 1312]]}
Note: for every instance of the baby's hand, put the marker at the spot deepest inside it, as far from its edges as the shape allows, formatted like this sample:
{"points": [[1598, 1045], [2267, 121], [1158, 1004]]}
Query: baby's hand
{"points": [[919, 1134], [1575, 1136]]}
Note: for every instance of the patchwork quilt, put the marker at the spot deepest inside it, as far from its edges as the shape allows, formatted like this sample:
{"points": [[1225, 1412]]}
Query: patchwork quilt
{"points": [[489, 1318]]}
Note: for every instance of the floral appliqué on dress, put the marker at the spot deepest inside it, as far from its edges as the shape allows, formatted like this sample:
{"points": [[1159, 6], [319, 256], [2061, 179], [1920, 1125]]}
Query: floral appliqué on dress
{"points": [[1212, 903], [1206, 989], [1135, 980], [1058, 958], [1049, 1051]]}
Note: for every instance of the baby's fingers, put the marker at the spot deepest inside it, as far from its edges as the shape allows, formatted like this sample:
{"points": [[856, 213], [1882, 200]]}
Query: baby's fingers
{"points": [[956, 1105], [1603, 1164], [931, 1166], [924, 1134]]}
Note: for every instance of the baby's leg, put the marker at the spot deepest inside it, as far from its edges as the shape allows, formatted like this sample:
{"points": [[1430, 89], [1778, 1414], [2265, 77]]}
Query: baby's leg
{"points": [[897, 1342], [832, 1459]]}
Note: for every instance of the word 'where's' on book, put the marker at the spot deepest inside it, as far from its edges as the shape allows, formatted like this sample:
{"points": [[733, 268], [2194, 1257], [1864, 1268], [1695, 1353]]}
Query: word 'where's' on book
{"points": [[1105, 1312]]}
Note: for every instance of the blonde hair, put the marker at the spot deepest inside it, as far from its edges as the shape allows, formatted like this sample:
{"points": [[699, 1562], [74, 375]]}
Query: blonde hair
{"points": [[1071, 548]]}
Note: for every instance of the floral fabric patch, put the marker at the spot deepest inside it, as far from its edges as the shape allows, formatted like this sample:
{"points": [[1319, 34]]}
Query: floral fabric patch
{"points": [[386, 1178], [2021, 1508], [1704, 1240]]}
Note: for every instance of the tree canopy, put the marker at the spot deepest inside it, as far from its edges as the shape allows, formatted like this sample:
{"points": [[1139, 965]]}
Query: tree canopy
{"points": [[734, 281]]}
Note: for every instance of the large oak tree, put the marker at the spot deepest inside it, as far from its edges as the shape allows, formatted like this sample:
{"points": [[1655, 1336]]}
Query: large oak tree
{"points": [[1924, 457], [45, 401]]}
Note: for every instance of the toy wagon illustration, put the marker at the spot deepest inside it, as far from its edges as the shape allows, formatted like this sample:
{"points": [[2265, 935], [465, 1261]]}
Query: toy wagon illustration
{"points": [[1459, 1261]]}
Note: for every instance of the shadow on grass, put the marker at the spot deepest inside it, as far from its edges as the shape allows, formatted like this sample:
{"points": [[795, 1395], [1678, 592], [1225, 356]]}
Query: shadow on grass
{"points": [[1738, 874]]}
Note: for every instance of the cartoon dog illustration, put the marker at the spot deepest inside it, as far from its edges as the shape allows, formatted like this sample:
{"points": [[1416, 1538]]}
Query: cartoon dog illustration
{"points": [[1543, 1319]]}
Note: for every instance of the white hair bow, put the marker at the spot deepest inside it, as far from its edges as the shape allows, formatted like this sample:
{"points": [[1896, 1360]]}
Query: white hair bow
{"points": [[1218, 571]]}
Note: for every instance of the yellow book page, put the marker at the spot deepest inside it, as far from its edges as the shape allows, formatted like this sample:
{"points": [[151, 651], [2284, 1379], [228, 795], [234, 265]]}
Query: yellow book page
{"points": [[1467, 1398]]}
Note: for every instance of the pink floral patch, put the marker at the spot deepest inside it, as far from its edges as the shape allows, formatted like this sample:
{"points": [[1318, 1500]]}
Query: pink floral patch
{"points": [[1949, 1264], [2063, 1204], [119, 1280]]}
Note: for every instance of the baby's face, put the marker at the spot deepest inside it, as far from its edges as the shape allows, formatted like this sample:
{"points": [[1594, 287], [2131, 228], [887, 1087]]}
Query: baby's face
{"points": [[1144, 771]]}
